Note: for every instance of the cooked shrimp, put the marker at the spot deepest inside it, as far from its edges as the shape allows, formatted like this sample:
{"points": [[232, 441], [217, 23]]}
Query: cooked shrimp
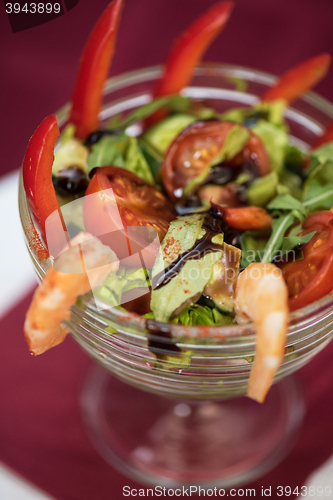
{"points": [[262, 297], [80, 268]]}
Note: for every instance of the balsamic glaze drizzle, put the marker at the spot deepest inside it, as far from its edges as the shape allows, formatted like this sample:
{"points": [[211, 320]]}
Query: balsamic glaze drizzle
{"points": [[214, 224], [200, 248]]}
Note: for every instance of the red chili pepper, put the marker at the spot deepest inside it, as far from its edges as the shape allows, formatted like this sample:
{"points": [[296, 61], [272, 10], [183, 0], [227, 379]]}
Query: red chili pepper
{"points": [[37, 175], [327, 136], [188, 50], [93, 71], [299, 79]]}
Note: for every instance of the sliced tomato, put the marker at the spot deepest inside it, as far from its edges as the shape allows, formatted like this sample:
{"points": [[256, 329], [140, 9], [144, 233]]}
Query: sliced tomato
{"points": [[311, 278], [245, 218], [126, 214], [299, 79], [196, 146]]}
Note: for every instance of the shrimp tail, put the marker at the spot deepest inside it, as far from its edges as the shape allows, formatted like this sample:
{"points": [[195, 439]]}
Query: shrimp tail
{"points": [[262, 297], [84, 265]]}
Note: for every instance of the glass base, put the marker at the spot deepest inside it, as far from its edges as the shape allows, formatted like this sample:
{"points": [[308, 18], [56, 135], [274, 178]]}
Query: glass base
{"points": [[160, 441]]}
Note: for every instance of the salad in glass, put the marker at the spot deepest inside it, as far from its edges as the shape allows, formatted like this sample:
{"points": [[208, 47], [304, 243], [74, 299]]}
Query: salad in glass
{"points": [[179, 212]]}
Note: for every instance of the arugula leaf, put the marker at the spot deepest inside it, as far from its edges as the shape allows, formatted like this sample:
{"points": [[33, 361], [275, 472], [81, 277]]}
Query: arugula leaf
{"points": [[293, 240], [173, 102], [196, 314], [106, 152], [136, 162], [317, 197], [287, 202], [275, 242], [252, 245]]}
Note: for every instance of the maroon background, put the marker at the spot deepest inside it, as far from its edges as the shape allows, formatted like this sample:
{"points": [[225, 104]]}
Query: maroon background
{"points": [[41, 433]]}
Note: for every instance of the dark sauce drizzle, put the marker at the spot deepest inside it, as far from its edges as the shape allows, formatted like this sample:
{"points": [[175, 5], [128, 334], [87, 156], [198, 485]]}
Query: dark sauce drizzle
{"points": [[163, 346], [201, 247], [214, 225]]}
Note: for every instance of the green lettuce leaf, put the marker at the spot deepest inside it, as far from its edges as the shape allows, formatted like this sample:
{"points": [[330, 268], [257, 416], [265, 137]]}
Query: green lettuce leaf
{"points": [[163, 133], [172, 102], [152, 157], [136, 162], [196, 314], [107, 152], [271, 112], [321, 165], [116, 283], [291, 182], [263, 189], [275, 141]]}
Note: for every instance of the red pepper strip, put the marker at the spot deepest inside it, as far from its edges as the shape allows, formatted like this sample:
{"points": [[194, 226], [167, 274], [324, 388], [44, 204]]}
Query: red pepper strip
{"points": [[245, 218], [300, 79], [37, 174], [188, 50], [326, 137], [93, 71]]}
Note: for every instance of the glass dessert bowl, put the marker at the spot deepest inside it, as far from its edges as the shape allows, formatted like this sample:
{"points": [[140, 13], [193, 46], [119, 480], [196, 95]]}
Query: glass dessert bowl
{"points": [[174, 415]]}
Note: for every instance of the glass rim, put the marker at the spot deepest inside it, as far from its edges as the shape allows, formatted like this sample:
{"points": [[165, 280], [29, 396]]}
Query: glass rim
{"points": [[246, 332]]}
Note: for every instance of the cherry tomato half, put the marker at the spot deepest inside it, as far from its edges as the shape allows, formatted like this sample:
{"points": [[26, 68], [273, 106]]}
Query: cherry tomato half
{"points": [[196, 146], [126, 214], [311, 278]]}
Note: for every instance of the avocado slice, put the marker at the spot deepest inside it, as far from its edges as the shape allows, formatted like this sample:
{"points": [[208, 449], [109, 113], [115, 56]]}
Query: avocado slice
{"points": [[221, 286], [163, 133], [187, 284]]}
